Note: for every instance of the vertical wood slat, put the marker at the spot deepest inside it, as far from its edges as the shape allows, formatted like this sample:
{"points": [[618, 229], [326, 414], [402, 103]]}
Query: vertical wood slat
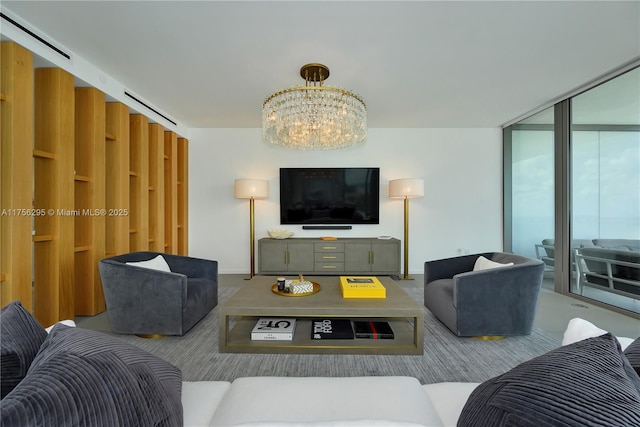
{"points": [[171, 192], [156, 188], [89, 200], [117, 178], [183, 196], [53, 191], [16, 174], [139, 183]]}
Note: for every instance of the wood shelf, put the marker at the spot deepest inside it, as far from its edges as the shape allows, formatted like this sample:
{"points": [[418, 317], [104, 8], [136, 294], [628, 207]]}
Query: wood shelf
{"points": [[117, 175], [171, 192], [41, 154], [183, 196], [139, 182], [53, 281], [16, 172], [60, 145], [156, 187], [90, 194]]}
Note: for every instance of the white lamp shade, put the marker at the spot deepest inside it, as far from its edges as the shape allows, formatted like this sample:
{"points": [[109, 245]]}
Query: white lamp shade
{"points": [[251, 188], [410, 188]]}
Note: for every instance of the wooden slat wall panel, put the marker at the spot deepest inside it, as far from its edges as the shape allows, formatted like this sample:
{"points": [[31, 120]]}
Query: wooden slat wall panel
{"points": [[183, 196], [171, 192], [90, 201], [117, 178], [16, 174], [139, 183], [53, 191], [41, 257], [156, 188]]}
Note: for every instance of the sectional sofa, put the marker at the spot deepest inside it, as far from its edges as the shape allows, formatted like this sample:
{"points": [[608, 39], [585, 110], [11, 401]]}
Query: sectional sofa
{"points": [[77, 377]]}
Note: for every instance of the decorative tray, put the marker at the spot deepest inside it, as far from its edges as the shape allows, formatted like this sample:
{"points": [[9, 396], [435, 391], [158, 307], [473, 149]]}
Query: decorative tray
{"points": [[316, 289]]}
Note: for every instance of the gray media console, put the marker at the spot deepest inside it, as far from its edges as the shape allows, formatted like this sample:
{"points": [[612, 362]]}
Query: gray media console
{"points": [[354, 256]]}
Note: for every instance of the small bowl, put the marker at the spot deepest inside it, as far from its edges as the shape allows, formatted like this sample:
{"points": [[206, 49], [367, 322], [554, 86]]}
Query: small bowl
{"points": [[278, 233]]}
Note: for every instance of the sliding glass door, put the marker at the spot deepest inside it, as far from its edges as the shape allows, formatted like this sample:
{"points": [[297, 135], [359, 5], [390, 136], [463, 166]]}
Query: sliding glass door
{"points": [[572, 192], [605, 191]]}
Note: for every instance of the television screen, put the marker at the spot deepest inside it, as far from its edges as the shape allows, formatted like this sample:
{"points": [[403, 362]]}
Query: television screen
{"points": [[330, 195]]}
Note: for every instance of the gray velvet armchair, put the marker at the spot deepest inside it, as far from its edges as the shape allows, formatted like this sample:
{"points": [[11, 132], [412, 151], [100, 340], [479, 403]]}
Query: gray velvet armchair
{"points": [[146, 301], [494, 302]]}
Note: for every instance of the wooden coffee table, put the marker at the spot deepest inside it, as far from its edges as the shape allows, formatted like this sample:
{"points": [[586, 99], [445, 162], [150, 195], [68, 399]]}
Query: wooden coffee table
{"points": [[240, 313]]}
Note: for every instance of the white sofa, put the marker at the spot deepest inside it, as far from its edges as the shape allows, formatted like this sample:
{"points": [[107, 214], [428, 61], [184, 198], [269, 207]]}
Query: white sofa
{"points": [[78, 377], [313, 401], [403, 401]]}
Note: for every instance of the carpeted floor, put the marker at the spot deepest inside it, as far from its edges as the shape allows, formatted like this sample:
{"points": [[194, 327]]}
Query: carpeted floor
{"points": [[446, 357]]}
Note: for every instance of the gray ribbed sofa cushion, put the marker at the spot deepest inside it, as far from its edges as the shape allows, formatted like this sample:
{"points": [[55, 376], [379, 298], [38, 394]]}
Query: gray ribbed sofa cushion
{"points": [[20, 339], [85, 378], [585, 383]]}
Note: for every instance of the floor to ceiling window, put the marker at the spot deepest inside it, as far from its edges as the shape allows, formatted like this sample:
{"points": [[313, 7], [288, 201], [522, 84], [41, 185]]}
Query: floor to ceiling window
{"points": [[605, 191], [532, 187], [572, 192]]}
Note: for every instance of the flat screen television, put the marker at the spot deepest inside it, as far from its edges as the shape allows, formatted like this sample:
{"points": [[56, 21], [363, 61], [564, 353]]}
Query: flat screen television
{"points": [[329, 195]]}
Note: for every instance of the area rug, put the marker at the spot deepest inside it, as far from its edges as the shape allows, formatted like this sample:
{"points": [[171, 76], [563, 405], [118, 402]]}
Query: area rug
{"points": [[446, 357]]}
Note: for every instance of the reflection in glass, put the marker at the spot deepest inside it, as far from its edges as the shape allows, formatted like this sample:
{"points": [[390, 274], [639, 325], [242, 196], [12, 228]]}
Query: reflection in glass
{"points": [[605, 191]]}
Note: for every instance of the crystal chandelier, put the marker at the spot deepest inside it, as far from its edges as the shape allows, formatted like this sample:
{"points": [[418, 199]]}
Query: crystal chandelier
{"points": [[314, 116]]}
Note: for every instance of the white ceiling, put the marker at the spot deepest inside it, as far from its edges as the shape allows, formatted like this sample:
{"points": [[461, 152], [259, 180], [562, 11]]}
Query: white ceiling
{"points": [[415, 63]]}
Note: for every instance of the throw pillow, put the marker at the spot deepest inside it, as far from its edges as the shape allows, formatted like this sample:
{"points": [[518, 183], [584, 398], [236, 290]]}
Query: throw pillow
{"points": [[588, 382], [83, 377], [632, 353], [157, 263], [67, 322], [483, 263], [20, 339], [580, 329]]}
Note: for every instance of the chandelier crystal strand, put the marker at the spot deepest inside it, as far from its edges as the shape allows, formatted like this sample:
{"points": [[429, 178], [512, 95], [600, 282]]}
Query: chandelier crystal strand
{"points": [[314, 117]]}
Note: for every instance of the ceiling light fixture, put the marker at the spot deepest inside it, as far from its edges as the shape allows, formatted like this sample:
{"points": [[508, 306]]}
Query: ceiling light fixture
{"points": [[314, 116]]}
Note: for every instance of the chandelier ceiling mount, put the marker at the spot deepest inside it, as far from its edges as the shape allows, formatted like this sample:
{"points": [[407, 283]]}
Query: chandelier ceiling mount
{"points": [[314, 116]]}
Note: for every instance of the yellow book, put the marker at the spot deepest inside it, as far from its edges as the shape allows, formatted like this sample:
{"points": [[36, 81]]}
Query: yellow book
{"points": [[362, 287]]}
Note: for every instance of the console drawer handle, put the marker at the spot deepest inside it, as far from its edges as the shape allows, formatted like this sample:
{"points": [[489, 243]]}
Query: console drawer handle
{"points": [[329, 257], [329, 247], [328, 266]]}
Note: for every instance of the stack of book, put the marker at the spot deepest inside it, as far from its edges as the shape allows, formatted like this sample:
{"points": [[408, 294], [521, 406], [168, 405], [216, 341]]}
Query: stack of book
{"points": [[331, 329], [274, 329], [345, 329], [362, 287], [373, 330]]}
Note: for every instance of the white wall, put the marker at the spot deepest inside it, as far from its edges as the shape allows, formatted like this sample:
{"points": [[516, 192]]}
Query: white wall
{"points": [[462, 207]]}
